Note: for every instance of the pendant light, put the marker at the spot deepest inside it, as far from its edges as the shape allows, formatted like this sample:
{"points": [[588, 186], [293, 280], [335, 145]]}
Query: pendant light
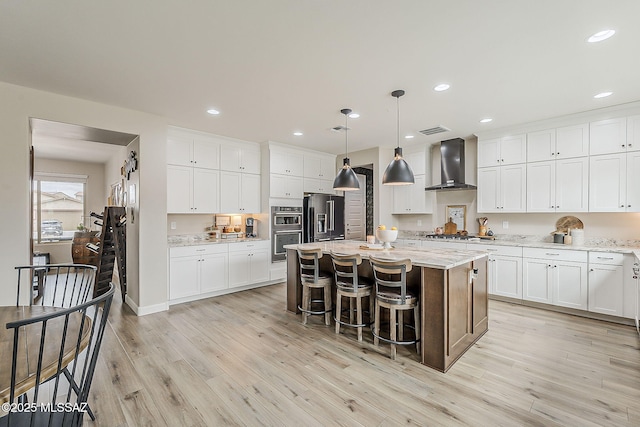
{"points": [[346, 180], [398, 172]]}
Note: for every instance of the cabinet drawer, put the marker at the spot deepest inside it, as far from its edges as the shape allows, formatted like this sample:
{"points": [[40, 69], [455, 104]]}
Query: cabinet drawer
{"points": [[412, 243], [497, 249], [181, 251], [606, 258], [559, 254], [248, 246]]}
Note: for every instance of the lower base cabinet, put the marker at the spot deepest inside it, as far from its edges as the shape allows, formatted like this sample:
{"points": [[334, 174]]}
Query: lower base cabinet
{"points": [[204, 269], [606, 283], [195, 270], [248, 263], [504, 269], [557, 277]]}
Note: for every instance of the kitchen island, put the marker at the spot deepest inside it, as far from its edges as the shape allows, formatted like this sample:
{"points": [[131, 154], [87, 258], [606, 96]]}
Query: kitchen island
{"points": [[452, 290]]}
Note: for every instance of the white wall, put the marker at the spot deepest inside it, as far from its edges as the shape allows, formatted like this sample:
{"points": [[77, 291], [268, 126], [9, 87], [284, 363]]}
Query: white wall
{"points": [[17, 105]]}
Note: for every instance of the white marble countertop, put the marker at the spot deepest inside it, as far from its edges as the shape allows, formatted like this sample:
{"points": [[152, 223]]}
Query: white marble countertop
{"points": [[195, 240], [442, 259], [594, 244]]}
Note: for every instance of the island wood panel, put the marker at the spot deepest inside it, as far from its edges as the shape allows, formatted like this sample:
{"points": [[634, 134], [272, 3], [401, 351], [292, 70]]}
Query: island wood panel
{"points": [[454, 312]]}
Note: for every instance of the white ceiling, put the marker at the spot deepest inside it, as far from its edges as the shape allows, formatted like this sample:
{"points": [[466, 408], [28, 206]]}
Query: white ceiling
{"points": [[279, 66]]}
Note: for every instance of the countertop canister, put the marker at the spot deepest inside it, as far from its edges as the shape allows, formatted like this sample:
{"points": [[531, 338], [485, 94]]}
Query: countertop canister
{"points": [[577, 235]]}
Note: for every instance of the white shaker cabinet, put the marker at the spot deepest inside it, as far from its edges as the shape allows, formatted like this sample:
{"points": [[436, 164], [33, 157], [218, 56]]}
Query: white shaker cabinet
{"points": [[195, 270], [192, 190], [608, 136], [322, 186], [412, 199], [606, 283], [239, 192], [613, 183], [240, 158], [186, 149], [502, 189], [283, 186], [248, 263], [285, 162], [561, 143], [558, 185], [502, 151], [319, 167], [556, 277], [504, 269]]}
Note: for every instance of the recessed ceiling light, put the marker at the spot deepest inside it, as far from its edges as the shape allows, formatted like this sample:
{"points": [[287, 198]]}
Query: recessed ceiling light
{"points": [[297, 133], [213, 112], [487, 120], [354, 115], [441, 87], [408, 137], [601, 35], [603, 95]]}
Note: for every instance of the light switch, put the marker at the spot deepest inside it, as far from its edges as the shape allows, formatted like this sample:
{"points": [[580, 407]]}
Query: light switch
{"points": [[173, 225], [419, 222], [505, 224]]}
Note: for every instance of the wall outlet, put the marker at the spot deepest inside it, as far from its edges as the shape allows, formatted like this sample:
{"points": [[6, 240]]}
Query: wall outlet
{"points": [[419, 222], [505, 224], [173, 225]]}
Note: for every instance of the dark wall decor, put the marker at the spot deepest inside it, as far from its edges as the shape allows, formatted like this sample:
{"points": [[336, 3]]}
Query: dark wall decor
{"points": [[369, 196]]}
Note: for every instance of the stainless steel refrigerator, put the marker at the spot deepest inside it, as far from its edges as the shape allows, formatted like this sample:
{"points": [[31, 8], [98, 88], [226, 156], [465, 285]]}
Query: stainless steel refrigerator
{"points": [[323, 218]]}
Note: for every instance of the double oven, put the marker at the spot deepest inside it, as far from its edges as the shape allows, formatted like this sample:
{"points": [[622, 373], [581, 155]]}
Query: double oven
{"points": [[286, 229]]}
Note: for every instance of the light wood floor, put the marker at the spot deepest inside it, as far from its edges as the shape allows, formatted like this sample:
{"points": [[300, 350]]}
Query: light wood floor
{"points": [[241, 359]]}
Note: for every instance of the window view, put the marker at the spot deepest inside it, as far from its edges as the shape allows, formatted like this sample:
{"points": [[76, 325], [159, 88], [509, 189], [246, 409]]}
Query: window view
{"points": [[58, 209]]}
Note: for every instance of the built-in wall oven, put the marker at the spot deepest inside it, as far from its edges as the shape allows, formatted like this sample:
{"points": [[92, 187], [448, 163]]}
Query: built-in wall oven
{"points": [[286, 229]]}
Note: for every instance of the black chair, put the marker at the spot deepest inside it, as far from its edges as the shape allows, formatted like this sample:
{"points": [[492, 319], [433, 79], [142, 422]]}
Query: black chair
{"points": [[60, 343], [59, 285]]}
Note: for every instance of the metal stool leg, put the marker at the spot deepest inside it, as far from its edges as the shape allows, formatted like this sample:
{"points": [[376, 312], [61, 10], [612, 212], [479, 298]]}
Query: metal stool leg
{"points": [[359, 317], [327, 305], [393, 325], [305, 303], [376, 325]]}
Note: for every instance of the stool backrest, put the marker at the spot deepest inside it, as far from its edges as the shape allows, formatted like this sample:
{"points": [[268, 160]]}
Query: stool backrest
{"points": [[64, 285], [309, 264], [391, 274], [345, 267]]}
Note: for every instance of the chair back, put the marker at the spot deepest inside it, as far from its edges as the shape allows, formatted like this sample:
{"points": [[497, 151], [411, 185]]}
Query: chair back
{"points": [[61, 346], [64, 285], [391, 275], [309, 264], [345, 267]]}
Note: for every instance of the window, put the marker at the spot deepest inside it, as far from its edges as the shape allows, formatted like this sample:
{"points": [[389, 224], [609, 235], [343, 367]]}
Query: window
{"points": [[58, 206]]}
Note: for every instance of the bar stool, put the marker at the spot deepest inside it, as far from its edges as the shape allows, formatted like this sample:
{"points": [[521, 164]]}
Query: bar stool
{"points": [[349, 285], [391, 293], [312, 278]]}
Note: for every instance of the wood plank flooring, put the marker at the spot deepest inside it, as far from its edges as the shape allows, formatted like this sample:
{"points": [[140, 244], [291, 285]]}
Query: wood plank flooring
{"points": [[241, 359]]}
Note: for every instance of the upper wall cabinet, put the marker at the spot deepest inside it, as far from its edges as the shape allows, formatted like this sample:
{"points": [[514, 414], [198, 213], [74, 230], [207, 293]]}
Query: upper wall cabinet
{"points": [[285, 162], [633, 133], [609, 136], [319, 167], [561, 143], [507, 150], [240, 158], [417, 160], [184, 149]]}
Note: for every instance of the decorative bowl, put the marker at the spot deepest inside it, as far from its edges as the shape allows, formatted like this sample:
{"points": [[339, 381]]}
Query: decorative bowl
{"points": [[386, 237]]}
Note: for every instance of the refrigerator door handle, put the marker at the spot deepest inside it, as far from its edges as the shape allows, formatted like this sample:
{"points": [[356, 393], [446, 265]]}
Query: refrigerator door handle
{"points": [[331, 224]]}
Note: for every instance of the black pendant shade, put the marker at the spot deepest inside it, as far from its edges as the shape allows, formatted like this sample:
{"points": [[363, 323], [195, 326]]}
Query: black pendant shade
{"points": [[398, 172], [346, 180]]}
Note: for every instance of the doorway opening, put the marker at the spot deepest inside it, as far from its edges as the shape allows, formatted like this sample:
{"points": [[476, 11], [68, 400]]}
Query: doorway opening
{"points": [[358, 212]]}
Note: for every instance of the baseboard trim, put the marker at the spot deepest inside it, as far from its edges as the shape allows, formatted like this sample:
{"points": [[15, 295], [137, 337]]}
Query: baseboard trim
{"points": [[149, 309]]}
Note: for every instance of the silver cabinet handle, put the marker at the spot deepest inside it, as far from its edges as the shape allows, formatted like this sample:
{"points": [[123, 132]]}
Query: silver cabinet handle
{"points": [[551, 254], [604, 257]]}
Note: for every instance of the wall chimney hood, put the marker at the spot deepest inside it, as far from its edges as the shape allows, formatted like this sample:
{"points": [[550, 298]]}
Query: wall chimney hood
{"points": [[452, 167]]}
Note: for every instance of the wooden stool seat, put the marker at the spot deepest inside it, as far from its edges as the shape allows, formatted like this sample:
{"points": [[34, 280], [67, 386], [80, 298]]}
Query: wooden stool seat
{"points": [[391, 294], [312, 278], [350, 285]]}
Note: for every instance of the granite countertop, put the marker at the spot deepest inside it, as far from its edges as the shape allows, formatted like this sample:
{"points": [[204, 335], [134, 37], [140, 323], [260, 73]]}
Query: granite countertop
{"points": [[203, 239], [593, 244], [442, 259]]}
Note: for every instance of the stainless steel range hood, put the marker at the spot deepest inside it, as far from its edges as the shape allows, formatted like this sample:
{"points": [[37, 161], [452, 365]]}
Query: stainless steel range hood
{"points": [[452, 167]]}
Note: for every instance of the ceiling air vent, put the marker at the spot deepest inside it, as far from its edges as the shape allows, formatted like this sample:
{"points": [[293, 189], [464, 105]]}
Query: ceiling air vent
{"points": [[339, 128], [434, 130]]}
